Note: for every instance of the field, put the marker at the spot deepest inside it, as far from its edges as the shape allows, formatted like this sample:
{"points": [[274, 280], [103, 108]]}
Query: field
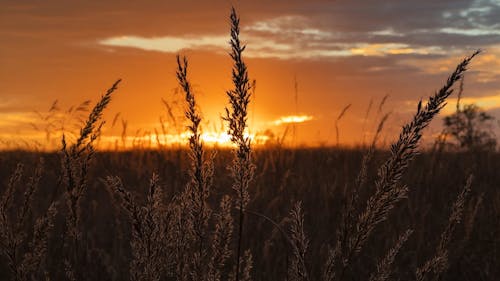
{"points": [[250, 212], [321, 178]]}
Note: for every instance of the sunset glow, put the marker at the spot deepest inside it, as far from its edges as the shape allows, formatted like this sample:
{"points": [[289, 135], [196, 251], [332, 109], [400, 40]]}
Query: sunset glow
{"points": [[305, 57], [487, 103], [210, 139], [249, 140], [292, 119]]}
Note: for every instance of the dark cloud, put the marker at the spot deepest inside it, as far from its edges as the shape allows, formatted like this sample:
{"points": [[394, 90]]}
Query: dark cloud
{"points": [[161, 17]]}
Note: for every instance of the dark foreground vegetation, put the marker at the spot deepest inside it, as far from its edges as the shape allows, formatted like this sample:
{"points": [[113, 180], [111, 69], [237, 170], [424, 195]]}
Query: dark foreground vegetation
{"points": [[320, 178]]}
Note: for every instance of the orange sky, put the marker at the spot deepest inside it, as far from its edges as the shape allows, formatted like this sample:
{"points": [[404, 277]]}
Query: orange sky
{"points": [[339, 52]]}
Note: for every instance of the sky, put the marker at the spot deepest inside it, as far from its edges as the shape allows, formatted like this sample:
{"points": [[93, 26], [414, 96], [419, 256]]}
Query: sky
{"points": [[310, 60]]}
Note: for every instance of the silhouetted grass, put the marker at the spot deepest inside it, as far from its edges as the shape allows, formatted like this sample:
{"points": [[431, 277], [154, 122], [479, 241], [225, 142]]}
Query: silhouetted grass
{"points": [[116, 226]]}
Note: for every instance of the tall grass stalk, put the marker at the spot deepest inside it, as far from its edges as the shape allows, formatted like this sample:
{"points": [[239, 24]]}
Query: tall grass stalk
{"points": [[363, 172], [384, 268], [201, 172], [242, 168], [365, 119], [299, 244], [75, 164], [148, 229], [221, 241], [438, 264], [24, 244], [342, 113], [388, 187]]}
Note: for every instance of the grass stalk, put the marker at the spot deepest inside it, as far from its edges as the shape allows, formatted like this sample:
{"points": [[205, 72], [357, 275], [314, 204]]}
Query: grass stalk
{"points": [[201, 172], [242, 168], [388, 189]]}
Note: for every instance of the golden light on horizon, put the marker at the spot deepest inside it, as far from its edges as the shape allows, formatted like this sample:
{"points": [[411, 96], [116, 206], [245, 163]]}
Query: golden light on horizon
{"points": [[292, 119], [210, 139], [38, 141]]}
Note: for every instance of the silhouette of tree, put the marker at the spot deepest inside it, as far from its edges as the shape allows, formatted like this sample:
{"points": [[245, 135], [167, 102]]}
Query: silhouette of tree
{"points": [[471, 129]]}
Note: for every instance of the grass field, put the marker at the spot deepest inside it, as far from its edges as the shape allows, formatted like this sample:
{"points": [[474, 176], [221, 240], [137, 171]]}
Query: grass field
{"points": [[251, 213], [320, 178]]}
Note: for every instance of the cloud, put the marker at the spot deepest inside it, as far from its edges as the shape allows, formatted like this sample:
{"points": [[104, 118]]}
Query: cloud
{"points": [[486, 103], [168, 44], [486, 66], [292, 119], [471, 31], [327, 30], [394, 49], [289, 25], [12, 120], [282, 29], [258, 47]]}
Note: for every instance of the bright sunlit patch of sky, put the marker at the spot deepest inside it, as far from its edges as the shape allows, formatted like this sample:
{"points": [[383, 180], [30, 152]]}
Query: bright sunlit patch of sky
{"points": [[292, 119], [485, 103], [341, 52], [212, 138], [168, 44], [393, 49]]}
